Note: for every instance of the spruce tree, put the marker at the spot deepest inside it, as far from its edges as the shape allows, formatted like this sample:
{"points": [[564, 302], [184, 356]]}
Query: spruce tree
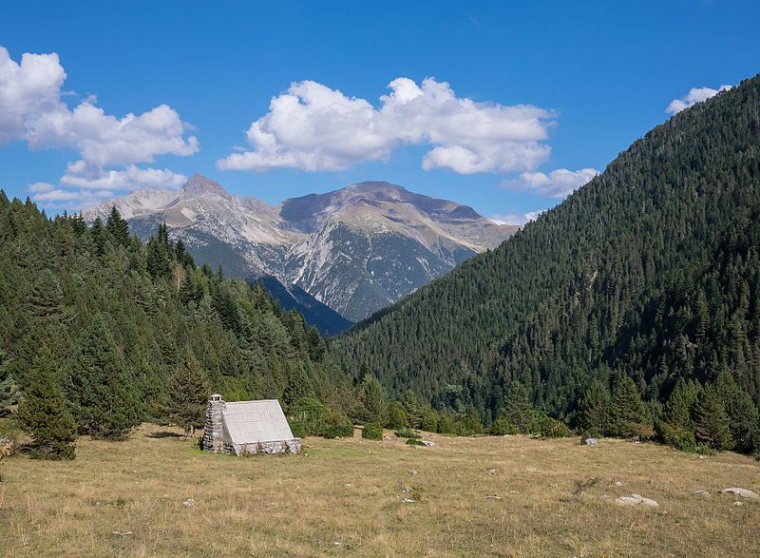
{"points": [[101, 390], [594, 409], [8, 387], [517, 408], [713, 426], [680, 406], [43, 412], [627, 411], [118, 227], [744, 421], [188, 394], [373, 403]]}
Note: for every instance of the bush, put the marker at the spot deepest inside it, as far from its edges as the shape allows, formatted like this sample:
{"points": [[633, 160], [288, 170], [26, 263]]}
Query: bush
{"points": [[414, 442], [297, 428], [372, 431], [447, 425], [397, 417], [676, 436], [553, 428], [310, 415], [502, 427], [336, 424], [430, 420], [407, 433]]}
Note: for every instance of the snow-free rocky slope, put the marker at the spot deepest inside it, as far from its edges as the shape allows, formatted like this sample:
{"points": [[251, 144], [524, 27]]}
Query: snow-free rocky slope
{"points": [[355, 250]]}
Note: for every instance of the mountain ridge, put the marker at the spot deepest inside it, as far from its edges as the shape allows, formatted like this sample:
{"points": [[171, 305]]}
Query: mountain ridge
{"points": [[649, 271], [355, 249]]}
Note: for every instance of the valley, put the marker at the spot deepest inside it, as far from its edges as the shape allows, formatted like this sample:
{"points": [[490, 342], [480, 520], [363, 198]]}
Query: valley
{"points": [[498, 496]]}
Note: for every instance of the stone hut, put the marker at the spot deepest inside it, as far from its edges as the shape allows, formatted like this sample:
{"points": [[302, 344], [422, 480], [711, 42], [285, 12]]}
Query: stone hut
{"points": [[247, 428]]}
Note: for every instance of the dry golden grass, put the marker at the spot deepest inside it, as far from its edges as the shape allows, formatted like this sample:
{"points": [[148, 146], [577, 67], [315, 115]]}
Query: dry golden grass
{"points": [[344, 499]]}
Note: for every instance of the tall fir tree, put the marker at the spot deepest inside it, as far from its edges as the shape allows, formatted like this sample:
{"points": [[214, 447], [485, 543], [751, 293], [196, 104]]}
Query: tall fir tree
{"points": [[743, 416], [713, 426], [594, 409], [628, 414], [43, 412], [118, 227], [679, 409], [373, 403], [517, 408], [8, 387], [188, 394], [101, 390]]}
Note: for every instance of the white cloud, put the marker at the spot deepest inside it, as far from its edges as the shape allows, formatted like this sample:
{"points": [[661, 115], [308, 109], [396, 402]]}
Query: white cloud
{"points": [[314, 128], [81, 175], [40, 187], [519, 219], [557, 184], [72, 199], [694, 96], [32, 110]]}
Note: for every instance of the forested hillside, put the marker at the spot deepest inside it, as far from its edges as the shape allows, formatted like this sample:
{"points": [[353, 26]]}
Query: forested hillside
{"points": [[117, 327], [649, 272]]}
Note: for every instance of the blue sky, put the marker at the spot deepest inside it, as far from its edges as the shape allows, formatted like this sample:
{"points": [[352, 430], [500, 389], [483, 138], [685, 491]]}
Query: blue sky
{"points": [[595, 77]]}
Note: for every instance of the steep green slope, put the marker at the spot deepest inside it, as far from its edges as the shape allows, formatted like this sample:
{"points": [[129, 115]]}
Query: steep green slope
{"points": [[652, 269], [118, 318]]}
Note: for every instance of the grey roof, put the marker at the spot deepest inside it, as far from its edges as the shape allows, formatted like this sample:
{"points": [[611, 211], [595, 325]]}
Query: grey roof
{"points": [[249, 422]]}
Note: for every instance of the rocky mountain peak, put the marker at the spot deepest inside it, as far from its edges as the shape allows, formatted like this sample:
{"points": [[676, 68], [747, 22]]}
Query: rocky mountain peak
{"points": [[198, 184]]}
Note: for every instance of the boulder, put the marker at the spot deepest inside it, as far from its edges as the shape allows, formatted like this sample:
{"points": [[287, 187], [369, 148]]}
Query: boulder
{"points": [[635, 500], [701, 494], [743, 492], [428, 443], [590, 441]]}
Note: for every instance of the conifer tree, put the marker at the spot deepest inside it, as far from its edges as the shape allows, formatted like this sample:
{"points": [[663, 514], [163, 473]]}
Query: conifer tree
{"points": [[43, 412], [517, 408], [8, 387], [594, 409], [373, 403], [713, 426], [118, 227], [103, 396], [680, 406], [744, 421], [188, 394], [627, 411]]}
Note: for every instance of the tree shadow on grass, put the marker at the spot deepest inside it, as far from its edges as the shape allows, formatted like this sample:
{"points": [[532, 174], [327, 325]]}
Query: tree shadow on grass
{"points": [[165, 434]]}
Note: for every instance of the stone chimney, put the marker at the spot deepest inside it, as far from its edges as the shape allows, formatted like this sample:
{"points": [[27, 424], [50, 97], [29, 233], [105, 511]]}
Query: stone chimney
{"points": [[213, 439]]}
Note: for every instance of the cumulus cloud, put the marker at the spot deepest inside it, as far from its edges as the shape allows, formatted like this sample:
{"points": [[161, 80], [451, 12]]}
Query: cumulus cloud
{"points": [[81, 175], [314, 128], [518, 219], [32, 110], [556, 184], [694, 96]]}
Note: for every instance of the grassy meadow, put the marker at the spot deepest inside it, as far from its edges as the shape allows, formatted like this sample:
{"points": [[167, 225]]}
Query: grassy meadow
{"points": [[487, 496]]}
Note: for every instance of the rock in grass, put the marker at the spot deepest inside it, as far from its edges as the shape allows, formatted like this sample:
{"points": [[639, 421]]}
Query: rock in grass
{"points": [[635, 500], [743, 492], [428, 443], [409, 501], [590, 441], [701, 494]]}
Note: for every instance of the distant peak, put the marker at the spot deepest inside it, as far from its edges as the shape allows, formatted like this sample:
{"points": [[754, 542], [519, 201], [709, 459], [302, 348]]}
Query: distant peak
{"points": [[374, 186], [199, 184]]}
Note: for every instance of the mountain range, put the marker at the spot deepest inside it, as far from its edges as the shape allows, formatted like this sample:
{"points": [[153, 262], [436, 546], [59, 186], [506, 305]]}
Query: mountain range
{"points": [[353, 250]]}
